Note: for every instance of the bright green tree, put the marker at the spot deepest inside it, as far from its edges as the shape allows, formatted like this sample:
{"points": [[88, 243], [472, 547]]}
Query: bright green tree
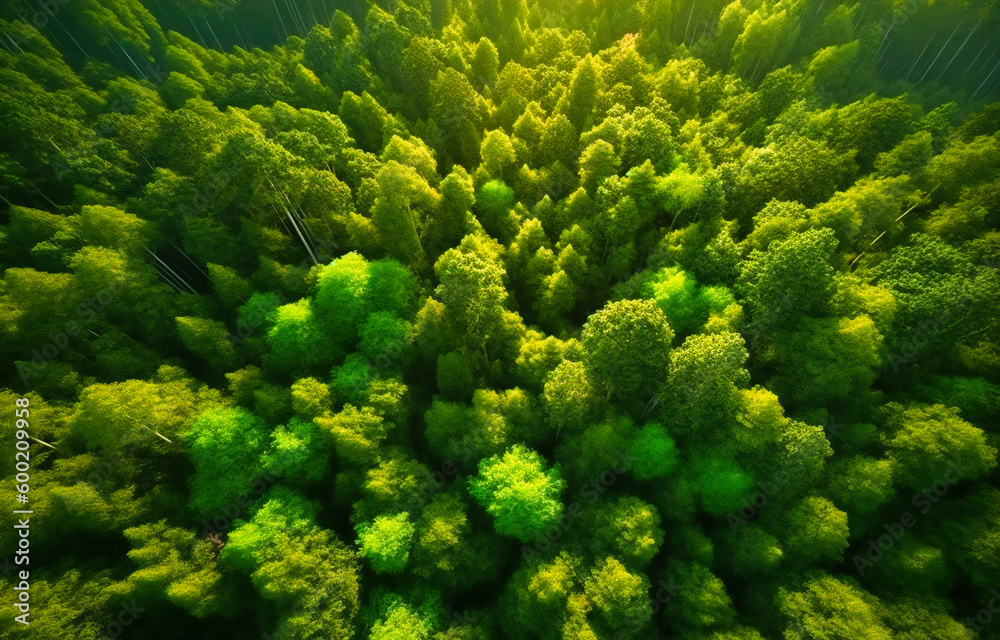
{"points": [[520, 494], [386, 542]]}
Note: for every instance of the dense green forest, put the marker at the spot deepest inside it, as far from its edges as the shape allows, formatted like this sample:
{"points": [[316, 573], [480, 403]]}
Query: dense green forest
{"points": [[500, 319]]}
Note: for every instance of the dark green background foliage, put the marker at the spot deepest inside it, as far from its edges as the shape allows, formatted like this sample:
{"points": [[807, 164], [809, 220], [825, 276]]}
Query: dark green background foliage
{"points": [[527, 319]]}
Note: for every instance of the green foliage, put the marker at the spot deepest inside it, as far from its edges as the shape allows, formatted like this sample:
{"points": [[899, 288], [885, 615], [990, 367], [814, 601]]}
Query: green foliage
{"points": [[791, 279], [653, 453], [112, 416], [494, 201], [403, 195], [472, 293], [340, 290], [401, 622], [207, 338], [796, 168], [721, 484], [570, 397], [445, 550], [627, 528], [816, 531], [931, 443], [863, 484], [755, 552], [357, 433], [833, 608], [827, 359], [619, 596], [609, 341], [297, 454], [607, 319], [517, 490], [538, 592], [702, 602], [312, 579], [310, 397], [225, 445], [686, 305], [298, 343], [704, 375], [174, 564], [386, 542], [597, 162]]}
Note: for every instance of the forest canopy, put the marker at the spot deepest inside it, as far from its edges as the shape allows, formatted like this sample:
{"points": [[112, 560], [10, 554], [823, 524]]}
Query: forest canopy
{"points": [[483, 319]]}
